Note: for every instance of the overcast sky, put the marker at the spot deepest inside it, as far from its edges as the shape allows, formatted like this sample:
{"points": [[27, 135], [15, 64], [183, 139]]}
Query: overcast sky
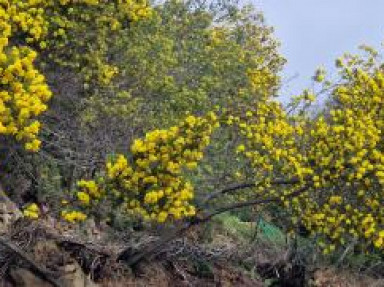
{"points": [[315, 32]]}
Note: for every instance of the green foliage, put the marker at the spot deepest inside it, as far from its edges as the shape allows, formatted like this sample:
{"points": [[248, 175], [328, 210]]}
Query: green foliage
{"points": [[234, 228], [184, 59], [50, 186]]}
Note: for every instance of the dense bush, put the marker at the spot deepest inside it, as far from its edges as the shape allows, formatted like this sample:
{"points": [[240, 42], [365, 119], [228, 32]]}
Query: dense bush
{"points": [[191, 90]]}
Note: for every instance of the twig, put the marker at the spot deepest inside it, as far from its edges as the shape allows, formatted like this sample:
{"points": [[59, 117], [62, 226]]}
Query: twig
{"points": [[251, 203], [235, 188], [346, 251], [180, 273]]}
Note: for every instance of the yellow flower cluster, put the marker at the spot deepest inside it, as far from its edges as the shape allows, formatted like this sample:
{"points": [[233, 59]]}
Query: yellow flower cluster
{"points": [[83, 197], [26, 17], [338, 155], [73, 216], [90, 187], [32, 211], [23, 93], [379, 240], [263, 81], [135, 10], [352, 159], [151, 184], [270, 146]]}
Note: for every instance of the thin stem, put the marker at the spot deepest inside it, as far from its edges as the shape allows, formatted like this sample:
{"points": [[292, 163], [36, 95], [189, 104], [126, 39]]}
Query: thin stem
{"points": [[241, 186]]}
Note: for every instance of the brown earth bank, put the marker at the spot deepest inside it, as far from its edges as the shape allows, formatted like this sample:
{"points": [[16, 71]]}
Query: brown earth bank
{"points": [[51, 253], [49, 263]]}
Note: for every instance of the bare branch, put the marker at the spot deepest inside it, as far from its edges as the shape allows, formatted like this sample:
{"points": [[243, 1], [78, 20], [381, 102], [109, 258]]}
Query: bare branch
{"points": [[251, 203], [238, 187]]}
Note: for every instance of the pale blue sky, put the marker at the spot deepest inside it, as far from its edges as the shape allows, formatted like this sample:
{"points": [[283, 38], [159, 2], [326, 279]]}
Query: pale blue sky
{"points": [[314, 33]]}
